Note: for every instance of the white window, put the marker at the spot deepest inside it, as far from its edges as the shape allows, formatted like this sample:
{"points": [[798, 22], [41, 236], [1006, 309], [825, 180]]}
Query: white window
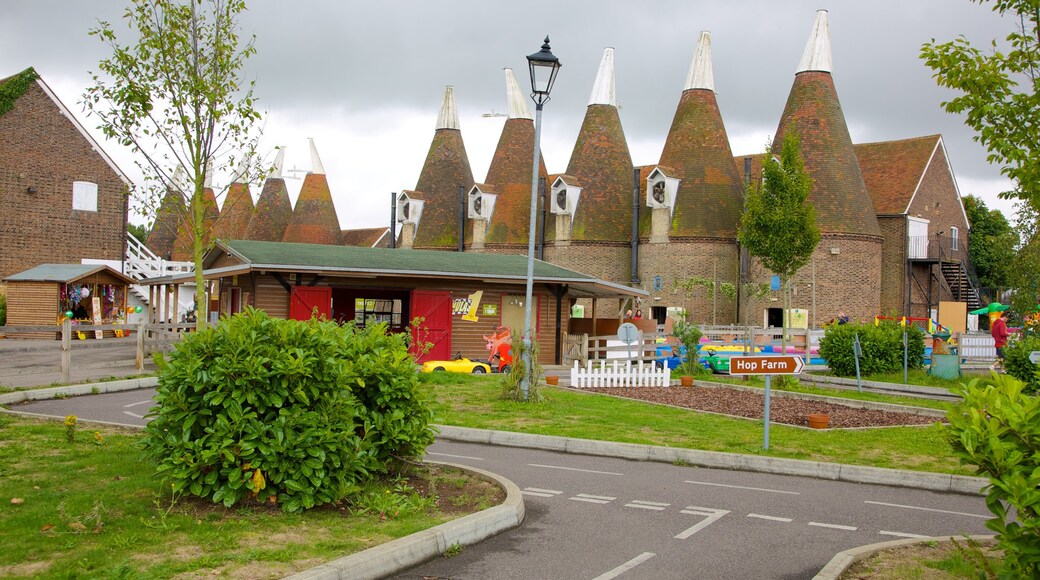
{"points": [[954, 240], [84, 196]]}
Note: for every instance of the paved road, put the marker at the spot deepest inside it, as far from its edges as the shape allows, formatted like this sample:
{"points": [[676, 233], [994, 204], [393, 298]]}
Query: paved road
{"points": [[598, 518], [26, 363]]}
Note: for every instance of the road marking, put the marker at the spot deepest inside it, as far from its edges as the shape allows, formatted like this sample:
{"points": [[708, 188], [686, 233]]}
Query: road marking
{"points": [[149, 401], [742, 487], [901, 535], [711, 516], [133, 414], [574, 469], [601, 499], [833, 526], [626, 566], [913, 507], [456, 456], [770, 518], [539, 492], [647, 505]]}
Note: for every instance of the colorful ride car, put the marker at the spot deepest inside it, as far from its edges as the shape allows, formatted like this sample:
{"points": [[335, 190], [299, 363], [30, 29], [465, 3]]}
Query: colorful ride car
{"points": [[459, 365]]}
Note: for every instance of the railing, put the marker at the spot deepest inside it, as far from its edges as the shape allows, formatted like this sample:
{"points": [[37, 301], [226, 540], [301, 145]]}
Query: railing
{"points": [[619, 374], [150, 338], [937, 247], [142, 263]]}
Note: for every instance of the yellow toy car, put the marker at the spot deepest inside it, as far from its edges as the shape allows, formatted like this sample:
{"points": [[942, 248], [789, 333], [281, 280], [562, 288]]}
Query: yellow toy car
{"points": [[459, 365]]}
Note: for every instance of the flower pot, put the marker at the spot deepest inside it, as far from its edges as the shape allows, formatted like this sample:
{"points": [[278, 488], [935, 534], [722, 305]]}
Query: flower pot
{"points": [[552, 379], [686, 381], [819, 421]]}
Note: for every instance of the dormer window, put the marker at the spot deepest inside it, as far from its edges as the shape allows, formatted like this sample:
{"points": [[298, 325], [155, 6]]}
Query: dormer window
{"points": [[661, 189], [565, 194], [481, 204], [409, 208]]}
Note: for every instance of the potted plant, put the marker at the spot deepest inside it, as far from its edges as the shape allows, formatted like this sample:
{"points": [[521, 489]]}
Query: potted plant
{"points": [[689, 335]]}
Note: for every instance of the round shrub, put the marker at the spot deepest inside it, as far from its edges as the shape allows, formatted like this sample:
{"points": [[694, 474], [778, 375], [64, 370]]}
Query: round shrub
{"points": [[882, 347], [1016, 361], [296, 413]]}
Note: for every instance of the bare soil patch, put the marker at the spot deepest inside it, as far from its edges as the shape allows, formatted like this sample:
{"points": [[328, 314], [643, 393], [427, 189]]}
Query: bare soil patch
{"points": [[749, 404], [932, 561]]}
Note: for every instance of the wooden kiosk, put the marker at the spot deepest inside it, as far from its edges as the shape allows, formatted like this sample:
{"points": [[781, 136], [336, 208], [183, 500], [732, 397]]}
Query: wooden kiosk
{"points": [[93, 293]]}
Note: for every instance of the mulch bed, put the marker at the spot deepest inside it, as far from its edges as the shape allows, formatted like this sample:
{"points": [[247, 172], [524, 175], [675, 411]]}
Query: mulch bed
{"points": [[750, 404]]}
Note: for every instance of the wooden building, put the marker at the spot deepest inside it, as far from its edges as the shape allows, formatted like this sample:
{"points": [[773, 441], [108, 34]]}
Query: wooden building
{"points": [[463, 298], [92, 293]]}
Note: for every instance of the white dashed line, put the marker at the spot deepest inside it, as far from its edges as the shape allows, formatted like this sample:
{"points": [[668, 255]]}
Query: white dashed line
{"points": [[133, 415], [913, 507], [742, 487], [711, 516], [138, 403], [626, 566], [901, 535], [539, 492], [647, 505], [456, 456], [573, 469], [600, 499], [833, 526], [770, 518]]}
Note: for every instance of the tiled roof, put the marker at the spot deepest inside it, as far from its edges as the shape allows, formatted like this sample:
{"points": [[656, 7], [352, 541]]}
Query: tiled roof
{"points": [[839, 192], [602, 165], [65, 273], [510, 175], [168, 217], [709, 200], [893, 169], [445, 170], [314, 219], [272, 214], [367, 237], [183, 246], [236, 213]]}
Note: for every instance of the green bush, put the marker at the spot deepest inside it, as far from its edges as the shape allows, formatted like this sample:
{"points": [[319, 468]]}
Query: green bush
{"points": [[288, 412], [997, 429], [1016, 361], [689, 334], [882, 347], [3, 309]]}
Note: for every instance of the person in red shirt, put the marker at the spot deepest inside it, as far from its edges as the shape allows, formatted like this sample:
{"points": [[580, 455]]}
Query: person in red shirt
{"points": [[999, 332]]}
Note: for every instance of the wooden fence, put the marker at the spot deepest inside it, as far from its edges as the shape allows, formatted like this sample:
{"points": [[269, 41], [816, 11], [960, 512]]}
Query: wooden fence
{"points": [[148, 338]]}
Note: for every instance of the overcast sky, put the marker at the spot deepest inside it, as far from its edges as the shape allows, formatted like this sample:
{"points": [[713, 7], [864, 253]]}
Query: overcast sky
{"points": [[366, 79]]}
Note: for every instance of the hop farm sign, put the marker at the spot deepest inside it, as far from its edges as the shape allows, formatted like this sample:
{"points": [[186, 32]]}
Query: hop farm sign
{"points": [[766, 365]]}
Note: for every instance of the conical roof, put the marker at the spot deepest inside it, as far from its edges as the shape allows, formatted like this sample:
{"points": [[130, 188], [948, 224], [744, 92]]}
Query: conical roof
{"points": [[839, 194], [314, 219], [183, 247], [237, 210], [445, 170], [709, 201], [602, 165], [510, 172], [168, 217], [273, 208]]}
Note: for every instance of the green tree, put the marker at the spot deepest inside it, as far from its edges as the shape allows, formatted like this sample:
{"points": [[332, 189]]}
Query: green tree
{"points": [[991, 243], [998, 93], [779, 226], [178, 98], [1025, 269], [140, 233]]}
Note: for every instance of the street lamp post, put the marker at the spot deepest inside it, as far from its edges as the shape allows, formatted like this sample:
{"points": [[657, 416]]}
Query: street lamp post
{"points": [[544, 66]]}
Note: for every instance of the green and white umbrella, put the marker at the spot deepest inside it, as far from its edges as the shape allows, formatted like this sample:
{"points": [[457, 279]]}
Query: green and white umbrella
{"points": [[991, 308]]}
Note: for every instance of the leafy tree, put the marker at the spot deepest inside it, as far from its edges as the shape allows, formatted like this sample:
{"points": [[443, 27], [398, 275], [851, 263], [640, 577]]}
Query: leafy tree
{"points": [[998, 93], [1025, 270], [178, 98], [140, 233], [779, 226], [991, 243]]}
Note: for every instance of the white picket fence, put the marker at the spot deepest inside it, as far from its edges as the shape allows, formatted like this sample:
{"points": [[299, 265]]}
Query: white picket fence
{"points": [[618, 373]]}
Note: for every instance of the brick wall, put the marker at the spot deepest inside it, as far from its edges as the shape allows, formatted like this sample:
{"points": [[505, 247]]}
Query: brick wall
{"points": [[680, 259], [893, 264], [41, 148]]}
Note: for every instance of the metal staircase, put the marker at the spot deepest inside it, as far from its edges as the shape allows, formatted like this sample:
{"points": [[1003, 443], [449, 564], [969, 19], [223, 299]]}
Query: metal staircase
{"points": [[141, 263], [962, 284]]}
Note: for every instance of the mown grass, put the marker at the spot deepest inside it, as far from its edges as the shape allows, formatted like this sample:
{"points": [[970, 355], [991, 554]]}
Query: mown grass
{"points": [[810, 389], [92, 509], [475, 402]]}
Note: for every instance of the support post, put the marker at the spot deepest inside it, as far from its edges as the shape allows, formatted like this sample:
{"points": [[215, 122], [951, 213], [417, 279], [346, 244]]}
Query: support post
{"points": [[139, 351], [66, 350]]}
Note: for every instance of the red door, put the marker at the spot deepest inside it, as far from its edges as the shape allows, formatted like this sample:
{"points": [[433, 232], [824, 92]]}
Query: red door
{"points": [[305, 300], [435, 310]]}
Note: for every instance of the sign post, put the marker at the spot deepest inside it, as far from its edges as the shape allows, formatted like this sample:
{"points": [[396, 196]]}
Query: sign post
{"points": [[857, 351], [1034, 357], [628, 334], [768, 366]]}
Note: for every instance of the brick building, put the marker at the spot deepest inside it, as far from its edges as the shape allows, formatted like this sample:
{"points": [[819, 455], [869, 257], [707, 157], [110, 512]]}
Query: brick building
{"points": [[63, 196]]}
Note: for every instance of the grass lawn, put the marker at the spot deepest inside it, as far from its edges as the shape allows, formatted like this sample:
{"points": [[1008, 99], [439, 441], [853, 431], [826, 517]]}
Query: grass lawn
{"points": [[475, 402], [808, 388], [92, 509]]}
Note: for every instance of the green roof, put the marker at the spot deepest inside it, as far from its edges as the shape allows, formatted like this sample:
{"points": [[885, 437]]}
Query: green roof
{"points": [[63, 273]]}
